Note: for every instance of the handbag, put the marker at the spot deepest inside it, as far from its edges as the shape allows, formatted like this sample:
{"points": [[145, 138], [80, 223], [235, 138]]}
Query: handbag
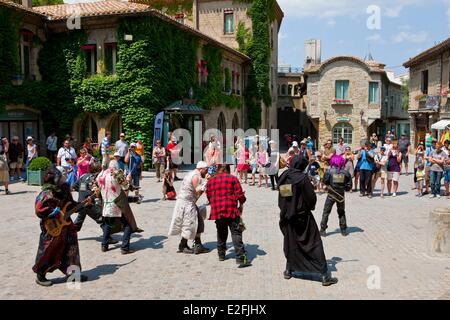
{"points": [[282, 163]]}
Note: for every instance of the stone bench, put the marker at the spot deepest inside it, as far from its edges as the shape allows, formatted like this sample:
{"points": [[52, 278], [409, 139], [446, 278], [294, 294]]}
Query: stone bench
{"points": [[439, 231]]}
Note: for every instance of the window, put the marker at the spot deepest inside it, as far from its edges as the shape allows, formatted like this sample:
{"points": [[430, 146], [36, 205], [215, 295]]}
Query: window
{"points": [[238, 84], [342, 89], [290, 90], [424, 83], [221, 124], [228, 23], [296, 90], [90, 51], [373, 92], [279, 89], [233, 83], [283, 90], [110, 57], [343, 130], [235, 124], [26, 41]]}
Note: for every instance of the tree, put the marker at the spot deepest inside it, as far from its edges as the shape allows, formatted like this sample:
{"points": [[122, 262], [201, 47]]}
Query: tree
{"points": [[405, 90], [37, 3]]}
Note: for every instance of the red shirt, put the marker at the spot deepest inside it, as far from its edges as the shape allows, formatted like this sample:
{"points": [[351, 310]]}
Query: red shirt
{"points": [[223, 192]]}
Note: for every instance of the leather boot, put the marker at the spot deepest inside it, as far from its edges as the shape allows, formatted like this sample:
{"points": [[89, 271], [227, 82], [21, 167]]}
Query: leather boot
{"points": [[184, 248], [199, 248]]}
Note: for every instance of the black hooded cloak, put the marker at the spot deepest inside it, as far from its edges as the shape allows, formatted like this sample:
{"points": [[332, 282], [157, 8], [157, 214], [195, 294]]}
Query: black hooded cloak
{"points": [[303, 246]]}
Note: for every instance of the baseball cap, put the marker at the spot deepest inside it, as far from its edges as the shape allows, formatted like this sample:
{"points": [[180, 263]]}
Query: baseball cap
{"points": [[202, 165], [295, 144]]}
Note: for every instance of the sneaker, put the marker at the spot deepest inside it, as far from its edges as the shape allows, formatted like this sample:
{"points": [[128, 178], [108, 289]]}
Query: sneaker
{"points": [[221, 256], [104, 248], [432, 196], [369, 196], [438, 196], [361, 194], [394, 194]]}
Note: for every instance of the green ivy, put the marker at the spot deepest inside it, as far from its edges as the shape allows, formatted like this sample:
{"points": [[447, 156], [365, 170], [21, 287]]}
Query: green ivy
{"points": [[9, 38], [172, 6], [256, 45]]}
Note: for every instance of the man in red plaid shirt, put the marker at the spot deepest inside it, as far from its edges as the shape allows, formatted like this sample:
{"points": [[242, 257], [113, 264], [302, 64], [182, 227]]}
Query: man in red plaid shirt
{"points": [[226, 197]]}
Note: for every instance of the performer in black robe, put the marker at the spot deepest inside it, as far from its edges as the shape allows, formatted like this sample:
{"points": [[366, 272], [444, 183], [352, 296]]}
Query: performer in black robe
{"points": [[303, 246]]}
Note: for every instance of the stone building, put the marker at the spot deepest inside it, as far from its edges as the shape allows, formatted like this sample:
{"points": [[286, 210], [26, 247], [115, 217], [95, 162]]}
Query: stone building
{"points": [[291, 105], [429, 90], [100, 21], [219, 19], [350, 98]]}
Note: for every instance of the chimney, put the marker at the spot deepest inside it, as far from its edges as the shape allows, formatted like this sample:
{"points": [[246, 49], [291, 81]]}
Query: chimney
{"points": [[27, 3], [195, 14]]}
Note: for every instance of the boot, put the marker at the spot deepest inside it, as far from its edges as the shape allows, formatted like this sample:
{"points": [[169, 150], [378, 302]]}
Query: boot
{"points": [[243, 261], [184, 248], [198, 247], [287, 274], [42, 280], [221, 256], [323, 232], [328, 280]]}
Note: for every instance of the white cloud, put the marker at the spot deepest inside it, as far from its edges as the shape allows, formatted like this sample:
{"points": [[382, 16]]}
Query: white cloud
{"points": [[394, 11], [336, 8], [375, 38], [331, 22], [405, 36]]}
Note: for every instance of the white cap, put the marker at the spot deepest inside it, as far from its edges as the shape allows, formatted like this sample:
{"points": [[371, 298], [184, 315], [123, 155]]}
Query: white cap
{"points": [[295, 144], [133, 145], [202, 165], [29, 138], [116, 154]]}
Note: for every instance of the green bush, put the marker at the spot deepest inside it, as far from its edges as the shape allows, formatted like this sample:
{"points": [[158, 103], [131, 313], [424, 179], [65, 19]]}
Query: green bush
{"points": [[39, 164]]}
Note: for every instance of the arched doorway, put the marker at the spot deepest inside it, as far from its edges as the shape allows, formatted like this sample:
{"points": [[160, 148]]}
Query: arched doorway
{"points": [[235, 124], [88, 129], [115, 127], [222, 124], [344, 130]]}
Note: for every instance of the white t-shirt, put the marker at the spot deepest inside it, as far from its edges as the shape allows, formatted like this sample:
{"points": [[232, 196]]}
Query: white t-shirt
{"points": [[382, 158], [31, 152], [64, 153], [52, 143]]}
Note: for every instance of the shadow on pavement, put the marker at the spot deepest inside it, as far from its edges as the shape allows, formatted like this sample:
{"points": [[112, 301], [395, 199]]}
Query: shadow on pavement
{"points": [[150, 200], [349, 230], [154, 242], [97, 272], [253, 250]]}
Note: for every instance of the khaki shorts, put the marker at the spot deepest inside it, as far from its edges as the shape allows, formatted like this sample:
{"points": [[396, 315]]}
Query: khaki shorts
{"points": [[393, 176], [382, 174], [16, 165]]}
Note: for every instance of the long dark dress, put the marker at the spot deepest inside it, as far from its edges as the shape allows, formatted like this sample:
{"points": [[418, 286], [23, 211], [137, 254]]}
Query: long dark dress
{"points": [[303, 246], [58, 252]]}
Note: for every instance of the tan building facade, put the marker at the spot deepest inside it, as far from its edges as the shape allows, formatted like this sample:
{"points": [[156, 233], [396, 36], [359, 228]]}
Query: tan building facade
{"points": [[348, 97], [429, 85]]}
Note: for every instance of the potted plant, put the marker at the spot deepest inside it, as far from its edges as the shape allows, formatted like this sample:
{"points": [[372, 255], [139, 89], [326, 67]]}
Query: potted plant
{"points": [[36, 169], [17, 79]]}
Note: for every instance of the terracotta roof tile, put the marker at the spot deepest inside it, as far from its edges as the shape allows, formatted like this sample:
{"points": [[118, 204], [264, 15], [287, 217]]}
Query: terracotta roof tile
{"points": [[64, 11]]}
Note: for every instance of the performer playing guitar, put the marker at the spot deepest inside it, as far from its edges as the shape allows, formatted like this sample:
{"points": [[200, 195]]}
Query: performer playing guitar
{"points": [[60, 250]]}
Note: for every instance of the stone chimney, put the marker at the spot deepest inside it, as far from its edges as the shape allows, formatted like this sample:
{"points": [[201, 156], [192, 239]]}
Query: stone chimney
{"points": [[27, 3]]}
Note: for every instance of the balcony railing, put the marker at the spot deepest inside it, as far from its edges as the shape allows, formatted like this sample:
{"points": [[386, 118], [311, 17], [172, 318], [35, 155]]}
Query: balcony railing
{"points": [[342, 102]]}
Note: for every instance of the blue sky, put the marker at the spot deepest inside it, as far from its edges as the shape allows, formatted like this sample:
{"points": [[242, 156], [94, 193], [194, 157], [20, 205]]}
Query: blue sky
{"points": [[407, 27]]}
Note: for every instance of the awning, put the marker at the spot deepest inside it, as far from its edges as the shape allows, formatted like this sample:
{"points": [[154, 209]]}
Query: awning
{"points": [[184, 107], [441, 125]]}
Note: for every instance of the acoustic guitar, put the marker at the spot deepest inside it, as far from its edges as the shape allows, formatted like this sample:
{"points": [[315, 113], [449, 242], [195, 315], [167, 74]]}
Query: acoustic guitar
{"points": [[55, 225]]}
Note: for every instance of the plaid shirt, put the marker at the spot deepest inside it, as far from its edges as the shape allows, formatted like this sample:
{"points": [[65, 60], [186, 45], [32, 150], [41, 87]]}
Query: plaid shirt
{"points": [[223, 192]]}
